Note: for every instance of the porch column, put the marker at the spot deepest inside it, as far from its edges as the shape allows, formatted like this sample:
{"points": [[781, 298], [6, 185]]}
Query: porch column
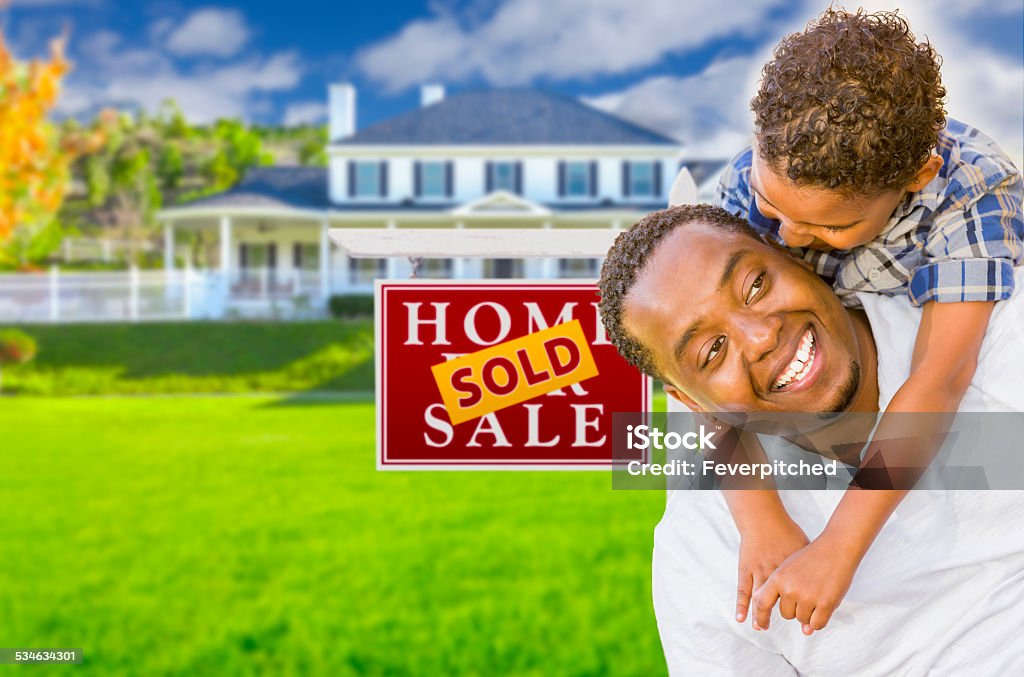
{"points": [[225, 244], [225, 254], [325, 261], [168, 246]]}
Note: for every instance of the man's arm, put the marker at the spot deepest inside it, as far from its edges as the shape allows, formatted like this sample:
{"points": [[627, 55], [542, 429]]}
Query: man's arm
{"points": [[812, 583]]}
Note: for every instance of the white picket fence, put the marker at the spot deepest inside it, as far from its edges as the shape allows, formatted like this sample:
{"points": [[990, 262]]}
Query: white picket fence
{"points": [[139, 296]]}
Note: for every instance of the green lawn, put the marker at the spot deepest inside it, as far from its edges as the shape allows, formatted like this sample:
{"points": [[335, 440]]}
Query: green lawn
{"points": [[244, 535], [91, 359]]}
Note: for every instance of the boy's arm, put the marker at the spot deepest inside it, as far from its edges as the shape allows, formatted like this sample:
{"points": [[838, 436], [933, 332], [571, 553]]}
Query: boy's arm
{"points": [[944, 361], [767, 533]]}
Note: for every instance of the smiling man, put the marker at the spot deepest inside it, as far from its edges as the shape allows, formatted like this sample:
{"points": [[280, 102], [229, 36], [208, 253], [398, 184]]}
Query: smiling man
{"points": [[732, 324], [754, 332]]}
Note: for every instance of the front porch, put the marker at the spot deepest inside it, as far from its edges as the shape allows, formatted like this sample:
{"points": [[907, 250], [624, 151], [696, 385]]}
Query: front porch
{"points": [[281, 262]]}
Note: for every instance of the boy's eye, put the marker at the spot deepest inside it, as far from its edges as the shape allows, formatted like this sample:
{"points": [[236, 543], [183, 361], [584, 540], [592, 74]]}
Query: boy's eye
{"points": [[755, 288], [716, 348], [835, 229]]}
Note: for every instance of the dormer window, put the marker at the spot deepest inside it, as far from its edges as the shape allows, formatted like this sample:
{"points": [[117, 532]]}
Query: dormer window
{"points": [[432, 179], [367, 179], [641, 179], [577, 179], [506, 176]]}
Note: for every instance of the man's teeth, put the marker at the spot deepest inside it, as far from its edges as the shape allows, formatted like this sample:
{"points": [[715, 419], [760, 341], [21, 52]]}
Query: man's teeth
{"points": [[801, 364]]}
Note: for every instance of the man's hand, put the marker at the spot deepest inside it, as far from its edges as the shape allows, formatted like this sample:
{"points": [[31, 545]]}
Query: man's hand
{"points": [[808, 586], [761, 551]]}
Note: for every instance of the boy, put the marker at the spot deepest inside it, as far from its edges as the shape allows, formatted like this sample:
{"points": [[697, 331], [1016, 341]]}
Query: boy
{"points": [[856, 169]]}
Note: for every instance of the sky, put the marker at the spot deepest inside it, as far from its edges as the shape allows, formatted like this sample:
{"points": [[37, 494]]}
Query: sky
{"points": [[687, 69]]}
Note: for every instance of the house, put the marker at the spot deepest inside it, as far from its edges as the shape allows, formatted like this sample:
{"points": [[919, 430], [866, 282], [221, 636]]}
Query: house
{"points": [[475, 159]]}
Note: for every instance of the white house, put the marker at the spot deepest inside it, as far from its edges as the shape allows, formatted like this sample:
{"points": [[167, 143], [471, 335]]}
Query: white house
{"points": [[479, 159]]}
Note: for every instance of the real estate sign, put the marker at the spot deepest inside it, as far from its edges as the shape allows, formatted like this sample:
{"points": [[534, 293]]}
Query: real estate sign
{"points": [[510, 375]]}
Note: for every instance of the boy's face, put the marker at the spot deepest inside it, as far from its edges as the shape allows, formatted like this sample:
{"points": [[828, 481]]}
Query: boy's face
{"points": [[819, 218]]}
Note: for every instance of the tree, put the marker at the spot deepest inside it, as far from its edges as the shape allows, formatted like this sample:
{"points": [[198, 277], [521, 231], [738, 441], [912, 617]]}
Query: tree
{"points": [[240, 150], [170, 167], [34, 157], [16, 347], [313, 149]]}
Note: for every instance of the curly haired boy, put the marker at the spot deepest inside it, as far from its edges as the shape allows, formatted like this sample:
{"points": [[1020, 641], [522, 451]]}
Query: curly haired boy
{"points": [[856, 169]]}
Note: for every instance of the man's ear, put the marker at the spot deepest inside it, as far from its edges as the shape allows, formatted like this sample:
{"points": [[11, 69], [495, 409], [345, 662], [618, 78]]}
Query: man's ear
{"points": [[925, 174], [681, 397]]}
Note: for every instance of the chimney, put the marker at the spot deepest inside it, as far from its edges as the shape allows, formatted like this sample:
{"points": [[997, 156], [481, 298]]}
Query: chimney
{"points": [[341, 110], [431, 94]]}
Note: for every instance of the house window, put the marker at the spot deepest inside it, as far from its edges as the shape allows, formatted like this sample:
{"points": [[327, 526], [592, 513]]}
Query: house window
{"points": [[505, 176], [503, 268], [578, 268], [641, 179], [577, 179], [362, 272], [254, 256], [433, 179], [367, 179], [436, 268], [305, 256]]}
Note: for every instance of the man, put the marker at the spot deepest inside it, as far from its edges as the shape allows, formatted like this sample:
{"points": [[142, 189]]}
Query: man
{"points": [[692, 296]]}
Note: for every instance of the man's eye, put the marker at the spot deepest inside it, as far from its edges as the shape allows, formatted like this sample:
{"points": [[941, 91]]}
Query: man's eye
{"points": [[716, 348], [755, 288]]}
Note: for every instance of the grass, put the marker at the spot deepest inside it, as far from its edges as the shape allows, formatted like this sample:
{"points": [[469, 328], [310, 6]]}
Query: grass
{"points": [[197, 357], [252, 535]]}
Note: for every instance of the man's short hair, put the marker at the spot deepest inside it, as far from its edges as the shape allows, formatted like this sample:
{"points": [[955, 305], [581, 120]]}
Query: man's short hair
{"points": [[852, 104], [629, 255]]}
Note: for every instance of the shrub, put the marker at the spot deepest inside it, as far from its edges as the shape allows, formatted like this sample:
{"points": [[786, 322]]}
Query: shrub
{"points": [[16, 347], [351, 305]]}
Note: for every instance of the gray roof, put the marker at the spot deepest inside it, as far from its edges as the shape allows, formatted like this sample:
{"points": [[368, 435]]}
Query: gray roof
{"points": [[507, 117], [286, 187]]}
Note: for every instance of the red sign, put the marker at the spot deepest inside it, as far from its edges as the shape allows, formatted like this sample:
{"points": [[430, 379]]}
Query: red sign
{"points": [[424, 323]]}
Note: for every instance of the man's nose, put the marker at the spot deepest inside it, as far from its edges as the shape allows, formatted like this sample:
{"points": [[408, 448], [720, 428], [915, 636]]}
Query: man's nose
{"points": [[794, 236], [758, 333]]}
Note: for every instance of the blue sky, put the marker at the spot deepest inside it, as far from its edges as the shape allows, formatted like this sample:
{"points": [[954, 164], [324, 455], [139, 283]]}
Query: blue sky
{"points": [[683, 68]]}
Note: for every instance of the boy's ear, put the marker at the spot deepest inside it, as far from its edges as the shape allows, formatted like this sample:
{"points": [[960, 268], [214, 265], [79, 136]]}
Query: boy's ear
{"points": [[925, 174], [681, 397]]}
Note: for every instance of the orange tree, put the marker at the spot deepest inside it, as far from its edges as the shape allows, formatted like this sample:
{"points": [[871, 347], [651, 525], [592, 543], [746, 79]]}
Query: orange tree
{"points": [[34, 157]]}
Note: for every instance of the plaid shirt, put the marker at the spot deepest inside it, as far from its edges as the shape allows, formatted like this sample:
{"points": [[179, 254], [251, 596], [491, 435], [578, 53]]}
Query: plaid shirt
{"points": [[957, 239]]}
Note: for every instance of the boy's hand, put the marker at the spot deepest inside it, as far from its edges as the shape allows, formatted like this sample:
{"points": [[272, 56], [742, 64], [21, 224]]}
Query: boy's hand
{"points": [[808, 586], [762, 550]]}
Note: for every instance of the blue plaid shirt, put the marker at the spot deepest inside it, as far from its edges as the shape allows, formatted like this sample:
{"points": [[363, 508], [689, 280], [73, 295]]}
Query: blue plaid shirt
{"points": [[958, 239]]}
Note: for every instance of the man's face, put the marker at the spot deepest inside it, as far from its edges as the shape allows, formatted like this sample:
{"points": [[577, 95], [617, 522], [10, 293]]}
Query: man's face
{"points": [[818, 218], [735, 325]]}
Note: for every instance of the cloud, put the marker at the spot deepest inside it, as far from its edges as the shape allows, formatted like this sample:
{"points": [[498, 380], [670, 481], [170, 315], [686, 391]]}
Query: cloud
{"points": [[210, 32], [110, 73], [304, 113], [525, 40], [709, 111]]}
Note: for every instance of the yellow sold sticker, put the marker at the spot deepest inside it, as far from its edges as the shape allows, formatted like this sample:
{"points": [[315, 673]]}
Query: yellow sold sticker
{"points": [[514, 371]]}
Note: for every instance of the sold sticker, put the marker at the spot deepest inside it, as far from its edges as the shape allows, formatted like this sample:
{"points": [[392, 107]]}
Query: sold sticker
{"points": [[514, 371]]}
